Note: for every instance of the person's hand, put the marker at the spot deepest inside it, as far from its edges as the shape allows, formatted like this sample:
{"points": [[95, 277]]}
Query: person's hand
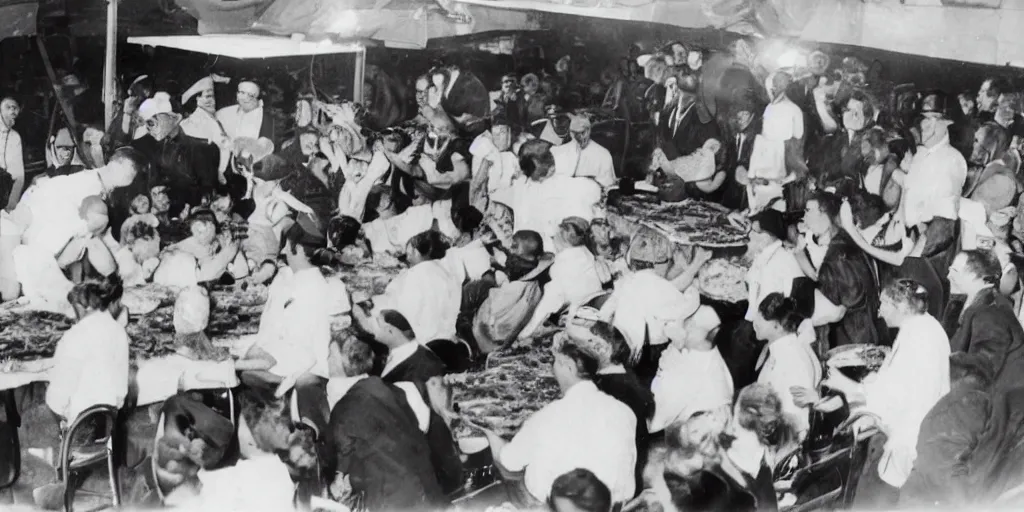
{"points": [[804, 397], [700, 256], [341, 488]]}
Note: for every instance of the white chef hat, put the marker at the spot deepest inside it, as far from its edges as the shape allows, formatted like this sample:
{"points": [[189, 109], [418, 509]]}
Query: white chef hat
{"points": [[160, 103], [207, 82]]}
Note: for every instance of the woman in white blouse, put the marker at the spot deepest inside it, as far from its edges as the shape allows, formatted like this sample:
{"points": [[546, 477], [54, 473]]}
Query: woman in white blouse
{"points": [[787, 361]]}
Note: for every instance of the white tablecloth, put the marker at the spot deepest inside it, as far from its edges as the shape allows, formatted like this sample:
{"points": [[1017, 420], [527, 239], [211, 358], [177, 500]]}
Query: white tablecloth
{"points": [[157, 378]]}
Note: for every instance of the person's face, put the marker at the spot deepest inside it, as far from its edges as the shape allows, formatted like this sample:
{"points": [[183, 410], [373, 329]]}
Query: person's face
{"points": [[122, 174], [335, 366], [203, 232], [742, 119], [439, 81], [9, 110], [581, 136], [764, 329], [959, 276], [679, 54], [161, 201], [412, 256], [222, 208], [309, 144], [64, 154], [530, 86], [980, 154], [303, 113], [518, 248], [868, 152], [966, 105], [501, 136], [986, 97], [508, 85], [145, 249], [818, 223], [140, 204], [248, 97], [560, 504], [933, 129], [207, 100], [695, 60], [888, 311], [160, 126], [1005, 111], [422, 91], [853, 116]]}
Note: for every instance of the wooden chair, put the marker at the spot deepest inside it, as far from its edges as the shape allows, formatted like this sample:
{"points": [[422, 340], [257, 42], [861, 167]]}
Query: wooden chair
{"points": [[76, 458]]}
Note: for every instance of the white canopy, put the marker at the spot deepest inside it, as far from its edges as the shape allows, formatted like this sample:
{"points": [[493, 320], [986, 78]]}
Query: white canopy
{"points": [[981, 31], [247, 46]]}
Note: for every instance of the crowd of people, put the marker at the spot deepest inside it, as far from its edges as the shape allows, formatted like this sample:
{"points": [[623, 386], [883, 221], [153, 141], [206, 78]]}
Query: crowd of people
{"points": [[881, 223]]}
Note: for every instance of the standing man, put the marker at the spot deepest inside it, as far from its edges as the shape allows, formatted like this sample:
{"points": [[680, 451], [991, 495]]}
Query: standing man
{"points": [[581, 157], [12, 159], [249, 118]]}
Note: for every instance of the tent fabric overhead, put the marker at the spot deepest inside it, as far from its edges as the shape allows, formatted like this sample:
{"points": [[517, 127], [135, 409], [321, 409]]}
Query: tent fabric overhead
{"points": [[981, 31], [18, 18], [398, 23], [245, 46]]}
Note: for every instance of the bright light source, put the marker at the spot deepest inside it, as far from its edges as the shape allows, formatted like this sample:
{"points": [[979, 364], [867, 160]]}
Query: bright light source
{"points": [[792, 58], [344, 23]]}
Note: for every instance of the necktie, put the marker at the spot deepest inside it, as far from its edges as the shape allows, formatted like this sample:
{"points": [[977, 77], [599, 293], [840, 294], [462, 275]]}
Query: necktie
{"points": [[739, 145]]}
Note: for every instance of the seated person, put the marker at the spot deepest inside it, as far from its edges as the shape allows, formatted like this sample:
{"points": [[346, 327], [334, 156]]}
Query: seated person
{"points": [[645, 301], [295, 326], [580, 491], [561, 436], [691, 362], [374, 450], [204, 256], [138, 253], [389, 234], [427, 293], [91, 364], [574, 275]]}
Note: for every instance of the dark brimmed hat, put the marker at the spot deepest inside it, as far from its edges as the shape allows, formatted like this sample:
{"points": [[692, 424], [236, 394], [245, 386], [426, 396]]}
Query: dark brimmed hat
{"points": [[772, 222]]}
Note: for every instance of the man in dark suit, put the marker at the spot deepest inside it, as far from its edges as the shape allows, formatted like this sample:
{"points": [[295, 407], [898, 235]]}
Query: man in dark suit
{"points": [[744, 126], [988, 327], [374, 451], [682, 127], [185, 165]]}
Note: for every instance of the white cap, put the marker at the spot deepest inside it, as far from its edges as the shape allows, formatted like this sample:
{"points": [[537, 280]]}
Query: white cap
{"points": [[160, 103], [202, 85]]}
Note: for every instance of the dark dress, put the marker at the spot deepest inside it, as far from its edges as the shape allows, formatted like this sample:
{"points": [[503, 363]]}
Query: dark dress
{"points": [[989, 329], [837, 157], [374, 439], [847, 279]]}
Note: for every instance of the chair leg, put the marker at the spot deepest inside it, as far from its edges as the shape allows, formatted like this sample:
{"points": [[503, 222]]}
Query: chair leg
{"points": [[115, 487]]}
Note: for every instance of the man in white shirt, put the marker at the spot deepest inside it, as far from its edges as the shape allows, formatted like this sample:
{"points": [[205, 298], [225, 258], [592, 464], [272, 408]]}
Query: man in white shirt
{"points": [[914, 376], [295, 327], [495, 166], [584, 429], [12, 158], [582, 157], [692, 376], [247, 118], [49, 228], [937, 175]]}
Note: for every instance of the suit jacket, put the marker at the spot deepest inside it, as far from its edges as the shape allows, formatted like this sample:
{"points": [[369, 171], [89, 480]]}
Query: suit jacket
{"points": [[467, 96], [373, 438], [187, 166], [444, 455], [989, 329], [418, 368]]}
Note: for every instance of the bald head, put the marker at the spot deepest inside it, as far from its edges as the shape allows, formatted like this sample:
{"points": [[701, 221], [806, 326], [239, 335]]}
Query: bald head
{"points": [[94, 212]]}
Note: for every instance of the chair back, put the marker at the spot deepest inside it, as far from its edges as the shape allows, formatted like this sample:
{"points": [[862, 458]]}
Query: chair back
{"points": [[107, 415]]}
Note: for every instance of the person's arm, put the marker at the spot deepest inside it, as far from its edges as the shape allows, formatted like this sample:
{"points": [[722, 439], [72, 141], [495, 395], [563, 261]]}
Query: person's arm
{"points": [[682, 273], [212, 268], [478, 189], [824, 112], [990, 336], [825, 312], [1008, 283], [550, 303], [66, 374], [72, 251], [255, 359], [459, 173], [100, 256]]}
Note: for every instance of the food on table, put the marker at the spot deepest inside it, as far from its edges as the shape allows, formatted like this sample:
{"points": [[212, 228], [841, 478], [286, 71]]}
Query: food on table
{"points": [[516, 383], [686, 222], [723, 279]]}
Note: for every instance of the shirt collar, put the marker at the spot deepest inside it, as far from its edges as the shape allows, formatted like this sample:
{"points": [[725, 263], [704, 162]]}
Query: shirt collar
{"points": [[338, 387], [614, 369], [452, 77], [397, 356]]}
